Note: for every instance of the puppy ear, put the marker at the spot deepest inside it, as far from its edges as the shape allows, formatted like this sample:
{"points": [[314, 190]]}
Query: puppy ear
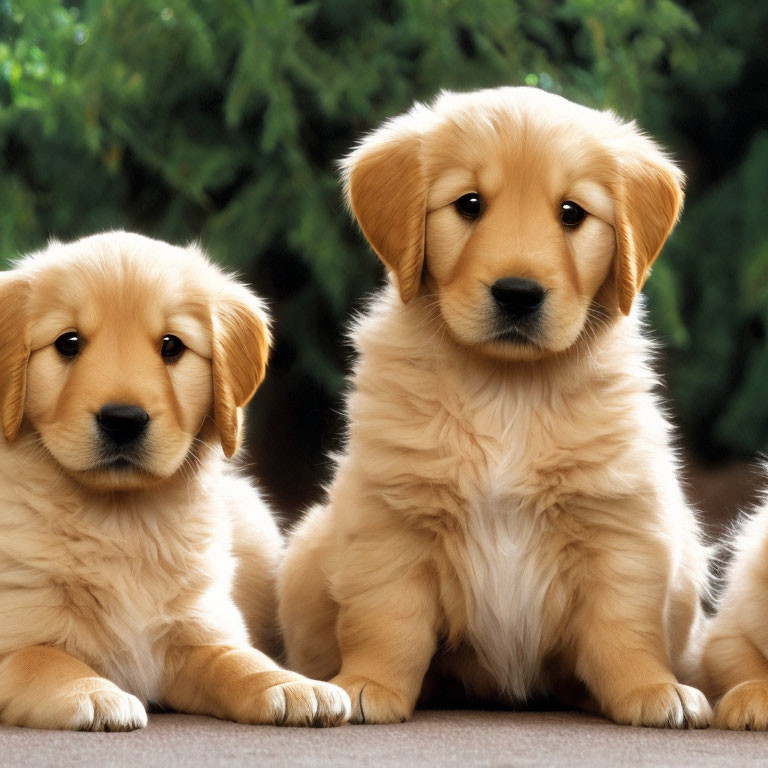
{"points": [[649, 198], [14, 352], [386, 188], [241, 341]]}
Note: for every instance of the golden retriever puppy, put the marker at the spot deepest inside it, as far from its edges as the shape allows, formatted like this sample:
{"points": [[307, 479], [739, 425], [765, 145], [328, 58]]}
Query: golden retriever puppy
{"points": [[507, 509], [135, 566], [735, 663]]}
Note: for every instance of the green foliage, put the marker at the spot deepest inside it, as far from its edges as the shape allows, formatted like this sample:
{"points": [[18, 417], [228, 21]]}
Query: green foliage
{"points": [[721, 372], [222, 120]]}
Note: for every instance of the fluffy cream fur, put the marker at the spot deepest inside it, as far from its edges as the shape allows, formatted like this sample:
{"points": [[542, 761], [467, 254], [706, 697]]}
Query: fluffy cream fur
{"points": [[506, 512], [736, 651], [148, 583]]}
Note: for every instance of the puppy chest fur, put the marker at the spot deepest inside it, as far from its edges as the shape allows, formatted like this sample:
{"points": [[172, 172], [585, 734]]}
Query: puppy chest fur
{"points": [[523, 545], [505, 584]]}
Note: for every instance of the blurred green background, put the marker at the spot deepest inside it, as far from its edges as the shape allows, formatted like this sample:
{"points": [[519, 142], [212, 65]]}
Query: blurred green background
{"points": [[222, 120]]}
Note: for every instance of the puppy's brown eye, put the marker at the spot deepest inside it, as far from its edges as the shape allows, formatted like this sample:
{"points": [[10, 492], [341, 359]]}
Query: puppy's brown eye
{"points": [[68, 344], [172, 347], [571, 214], [470, 205]]}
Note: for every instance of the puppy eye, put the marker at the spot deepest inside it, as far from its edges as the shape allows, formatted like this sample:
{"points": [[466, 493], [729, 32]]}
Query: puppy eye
{"points": [[571, 214], [172, 347], [68, 344], [470, 205]]}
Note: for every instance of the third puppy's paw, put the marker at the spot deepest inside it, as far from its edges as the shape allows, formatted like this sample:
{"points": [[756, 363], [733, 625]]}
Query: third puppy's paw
{"points": [[744, 707], [372, 702], [664, 705], [299, 701]]}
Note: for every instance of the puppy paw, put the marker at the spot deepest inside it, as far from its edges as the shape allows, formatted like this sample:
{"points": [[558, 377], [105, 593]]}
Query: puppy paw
{"points": [[300, 702], [373, 703], [90, 704], [664, 705], [744, 708]]}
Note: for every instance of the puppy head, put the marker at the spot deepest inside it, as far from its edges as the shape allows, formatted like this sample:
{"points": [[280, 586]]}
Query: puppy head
{"points": [[517, 210], [124, 354]]}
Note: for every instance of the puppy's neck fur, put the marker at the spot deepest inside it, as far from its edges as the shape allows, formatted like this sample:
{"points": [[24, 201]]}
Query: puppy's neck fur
{"points": [[29, 466], [610, 346]]}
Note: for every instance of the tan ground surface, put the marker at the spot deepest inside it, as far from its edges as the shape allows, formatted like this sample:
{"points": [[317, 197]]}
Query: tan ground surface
{"points": [[434, 738]]}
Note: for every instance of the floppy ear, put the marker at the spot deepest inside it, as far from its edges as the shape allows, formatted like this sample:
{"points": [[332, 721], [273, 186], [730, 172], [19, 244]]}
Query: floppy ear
{"points": [[14, 352], [386, 187], [649, 197], [241, 341]]}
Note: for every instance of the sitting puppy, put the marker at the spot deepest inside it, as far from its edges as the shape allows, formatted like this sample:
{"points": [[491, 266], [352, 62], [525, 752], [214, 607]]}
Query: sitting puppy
{"points": [[123, 361], [507, 509], [736, 651]]}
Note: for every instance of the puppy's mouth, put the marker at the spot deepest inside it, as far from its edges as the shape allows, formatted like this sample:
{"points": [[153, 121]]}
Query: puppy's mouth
{"points": [[515, 335], [122, 459], [119, 471], [120, 464]]}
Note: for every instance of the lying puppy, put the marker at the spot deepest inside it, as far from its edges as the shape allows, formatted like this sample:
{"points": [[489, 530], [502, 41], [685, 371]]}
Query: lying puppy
{"points": [[735, 661], [123, 362], [507, 508]]}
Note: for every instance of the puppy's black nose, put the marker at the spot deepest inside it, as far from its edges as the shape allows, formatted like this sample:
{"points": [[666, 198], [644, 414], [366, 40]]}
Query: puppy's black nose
{"points": [[122, 424], [517, 297]]}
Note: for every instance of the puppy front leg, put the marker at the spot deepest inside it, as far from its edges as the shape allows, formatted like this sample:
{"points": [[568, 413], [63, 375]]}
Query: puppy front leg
{"points": [[245, 685], [622, 657], [387, 637], [44, 687], [736, 667]]}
